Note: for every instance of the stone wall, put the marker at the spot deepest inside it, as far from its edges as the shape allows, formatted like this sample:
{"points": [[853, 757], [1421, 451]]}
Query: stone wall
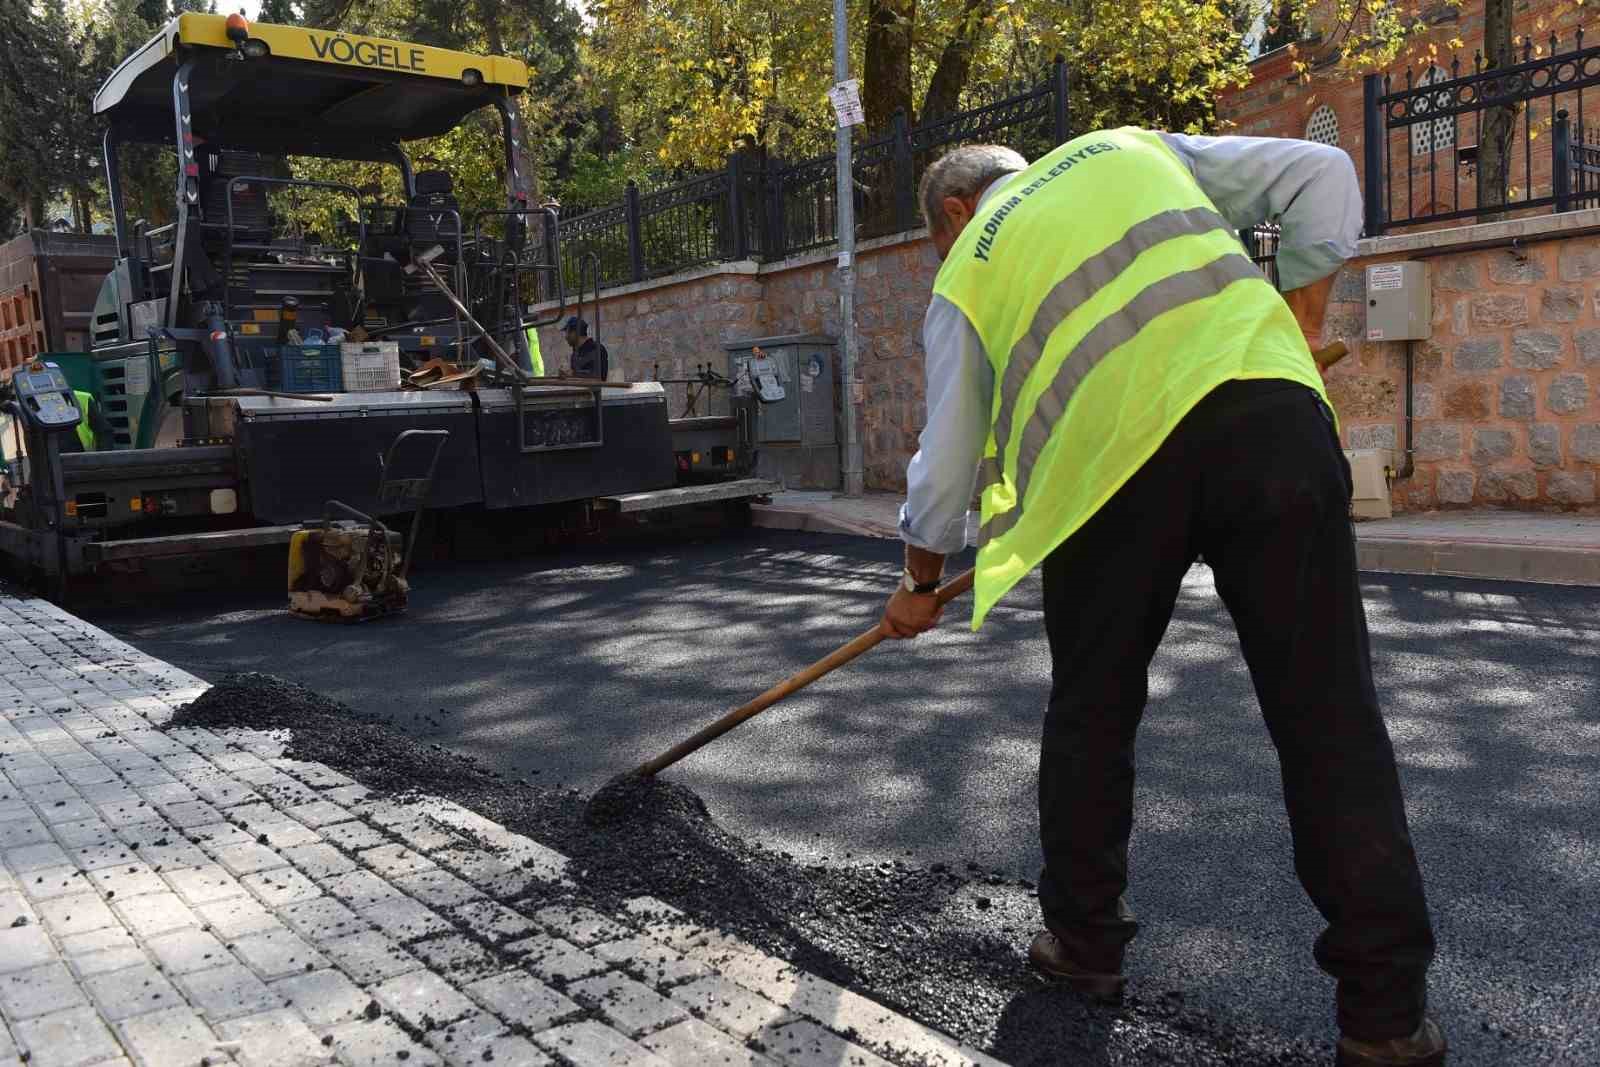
{"points": [[1507, 410], [682, 321], [1506, 406]]}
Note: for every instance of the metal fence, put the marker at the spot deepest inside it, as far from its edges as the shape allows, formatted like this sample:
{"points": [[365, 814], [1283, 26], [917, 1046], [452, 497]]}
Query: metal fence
{"points": [[1424, 137], [1261, 244], [779, 208]]}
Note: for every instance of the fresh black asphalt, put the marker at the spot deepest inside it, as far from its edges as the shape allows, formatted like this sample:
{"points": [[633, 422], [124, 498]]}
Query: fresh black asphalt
{"points": [[568, 668]]}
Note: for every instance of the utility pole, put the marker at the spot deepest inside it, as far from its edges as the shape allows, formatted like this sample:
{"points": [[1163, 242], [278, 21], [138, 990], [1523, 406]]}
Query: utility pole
{"points": [[854, 480]]}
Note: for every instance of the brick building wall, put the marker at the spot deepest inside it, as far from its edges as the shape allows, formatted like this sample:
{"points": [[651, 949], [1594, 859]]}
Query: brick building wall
{"points": [[1281, 102]]}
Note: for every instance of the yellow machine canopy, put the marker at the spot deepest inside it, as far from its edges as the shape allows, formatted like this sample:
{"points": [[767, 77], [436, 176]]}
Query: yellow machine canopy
{"points": [[295, 89]]}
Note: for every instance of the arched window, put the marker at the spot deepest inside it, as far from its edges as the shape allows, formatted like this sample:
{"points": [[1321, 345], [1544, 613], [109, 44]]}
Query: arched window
{"points": [[1323, 126], [1440, 134]]}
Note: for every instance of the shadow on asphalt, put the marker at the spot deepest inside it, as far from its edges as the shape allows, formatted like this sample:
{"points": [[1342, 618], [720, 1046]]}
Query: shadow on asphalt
{"points": [[574, 667]]}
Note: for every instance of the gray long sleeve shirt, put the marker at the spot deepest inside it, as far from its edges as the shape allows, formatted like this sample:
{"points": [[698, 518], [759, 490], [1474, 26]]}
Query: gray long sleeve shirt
{"points": [[1309, 189]]}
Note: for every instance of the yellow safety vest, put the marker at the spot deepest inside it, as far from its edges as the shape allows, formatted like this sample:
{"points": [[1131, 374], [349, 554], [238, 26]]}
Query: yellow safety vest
{"points": [[535, 357], [1110, 297], [86, 434]]}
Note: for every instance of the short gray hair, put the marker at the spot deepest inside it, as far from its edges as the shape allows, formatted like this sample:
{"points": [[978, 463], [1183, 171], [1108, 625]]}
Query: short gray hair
{"points": [[961, 173]]}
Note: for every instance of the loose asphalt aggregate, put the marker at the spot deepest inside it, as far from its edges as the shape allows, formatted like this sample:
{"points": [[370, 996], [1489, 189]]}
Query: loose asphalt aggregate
{"points": [[879, 828]]}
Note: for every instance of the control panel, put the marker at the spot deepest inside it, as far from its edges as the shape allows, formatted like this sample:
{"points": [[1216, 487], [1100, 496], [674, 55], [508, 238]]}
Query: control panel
{"points": [[45, 398]]}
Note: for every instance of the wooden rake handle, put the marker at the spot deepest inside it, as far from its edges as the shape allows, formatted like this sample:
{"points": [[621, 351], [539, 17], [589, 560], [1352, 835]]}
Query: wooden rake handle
{"points": [[793, 684]]}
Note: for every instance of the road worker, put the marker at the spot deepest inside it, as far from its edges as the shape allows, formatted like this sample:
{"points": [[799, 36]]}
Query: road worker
{"points": [[93, 429], [589, 357], [535, 357], [1157, 401]]}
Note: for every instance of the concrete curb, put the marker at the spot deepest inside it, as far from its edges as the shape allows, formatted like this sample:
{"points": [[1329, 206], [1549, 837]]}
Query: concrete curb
{"points": [[1548, 564], [774, 517], [1376, 552]]}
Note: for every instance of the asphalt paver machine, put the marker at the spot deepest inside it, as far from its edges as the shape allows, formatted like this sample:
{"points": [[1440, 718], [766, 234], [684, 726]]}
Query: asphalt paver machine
{"points": [[257, 432]]}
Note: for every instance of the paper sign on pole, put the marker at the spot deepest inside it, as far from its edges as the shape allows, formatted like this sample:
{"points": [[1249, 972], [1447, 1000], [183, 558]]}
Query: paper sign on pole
{"points": [[846, 98]]}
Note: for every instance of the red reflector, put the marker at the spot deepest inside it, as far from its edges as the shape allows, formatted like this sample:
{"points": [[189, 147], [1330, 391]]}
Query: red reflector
{"points": [[152, 506], [193, 170], [218, 335]]}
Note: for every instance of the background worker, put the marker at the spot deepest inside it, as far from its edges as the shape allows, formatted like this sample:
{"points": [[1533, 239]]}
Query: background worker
{"points": [[1158, 401], [589, 357], [93, 431], [535, 357]]}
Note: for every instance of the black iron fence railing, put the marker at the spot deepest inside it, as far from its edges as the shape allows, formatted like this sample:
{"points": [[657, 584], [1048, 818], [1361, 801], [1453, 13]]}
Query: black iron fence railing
{"points": [[1431, 138], [1261, 244], [775, 208]]}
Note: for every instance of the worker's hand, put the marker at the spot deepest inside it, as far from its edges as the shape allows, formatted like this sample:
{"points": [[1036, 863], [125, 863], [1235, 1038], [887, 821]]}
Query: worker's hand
{"points": [[909, 614]]}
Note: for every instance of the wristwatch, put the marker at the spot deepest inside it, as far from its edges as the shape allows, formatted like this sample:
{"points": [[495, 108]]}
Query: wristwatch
{"points": [[909, 583]]}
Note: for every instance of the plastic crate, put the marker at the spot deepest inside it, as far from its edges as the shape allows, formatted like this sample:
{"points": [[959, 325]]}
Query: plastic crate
{"points": [[304, 368], [370, 366]]}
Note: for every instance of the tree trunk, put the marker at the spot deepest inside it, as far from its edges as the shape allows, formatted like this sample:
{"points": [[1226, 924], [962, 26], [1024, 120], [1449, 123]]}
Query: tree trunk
{"points": [[489, 16], [1496, 124], [489, 12], [886, 74], [955, 62]]}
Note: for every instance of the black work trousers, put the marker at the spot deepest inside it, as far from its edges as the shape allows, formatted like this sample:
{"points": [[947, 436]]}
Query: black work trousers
{"points": [[1253, 481]]}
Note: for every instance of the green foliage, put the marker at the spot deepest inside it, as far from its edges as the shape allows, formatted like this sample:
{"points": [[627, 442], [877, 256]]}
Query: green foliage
{"points": [[648, 89], [1141, 62], [592, 179], [697, 79], [10, 219], [470, 154], [280, 12], [1361, 36]]}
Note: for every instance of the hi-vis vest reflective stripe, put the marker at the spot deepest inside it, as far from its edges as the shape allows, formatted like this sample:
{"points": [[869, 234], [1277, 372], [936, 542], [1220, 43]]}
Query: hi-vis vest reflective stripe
{"points": [[1110, 297], [86, 435]]}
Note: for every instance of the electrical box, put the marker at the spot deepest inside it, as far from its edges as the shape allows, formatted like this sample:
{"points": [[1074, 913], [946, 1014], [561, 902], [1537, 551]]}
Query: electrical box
{"points": [[1399, 302], [1369, 471], [802, 369], [796, 386]]}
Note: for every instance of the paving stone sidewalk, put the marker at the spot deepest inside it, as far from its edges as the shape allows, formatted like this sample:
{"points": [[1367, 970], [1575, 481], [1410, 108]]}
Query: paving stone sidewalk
{"points": [[189, 897]]}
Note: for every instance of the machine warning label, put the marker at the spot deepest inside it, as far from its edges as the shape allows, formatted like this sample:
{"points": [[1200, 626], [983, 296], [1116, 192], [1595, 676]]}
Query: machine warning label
{"points": [[136, 376], [368, 53], [1385, 276]]}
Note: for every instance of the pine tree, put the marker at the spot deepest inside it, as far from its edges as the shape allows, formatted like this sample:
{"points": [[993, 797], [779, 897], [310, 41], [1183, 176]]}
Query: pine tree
{"points": [[31, 99], [281, 12]]}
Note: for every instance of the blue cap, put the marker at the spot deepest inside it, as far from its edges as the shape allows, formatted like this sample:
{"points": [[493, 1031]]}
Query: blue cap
{"points": [[576, 323]]}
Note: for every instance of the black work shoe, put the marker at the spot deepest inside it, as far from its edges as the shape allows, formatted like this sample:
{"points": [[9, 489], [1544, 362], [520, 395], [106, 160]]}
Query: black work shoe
{"points": [[1425, 1048], [1049, 955]]}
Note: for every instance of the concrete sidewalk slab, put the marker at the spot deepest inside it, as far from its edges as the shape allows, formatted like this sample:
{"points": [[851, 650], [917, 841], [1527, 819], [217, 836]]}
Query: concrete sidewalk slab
{"points": [[1557, 549], [190, 896]]}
